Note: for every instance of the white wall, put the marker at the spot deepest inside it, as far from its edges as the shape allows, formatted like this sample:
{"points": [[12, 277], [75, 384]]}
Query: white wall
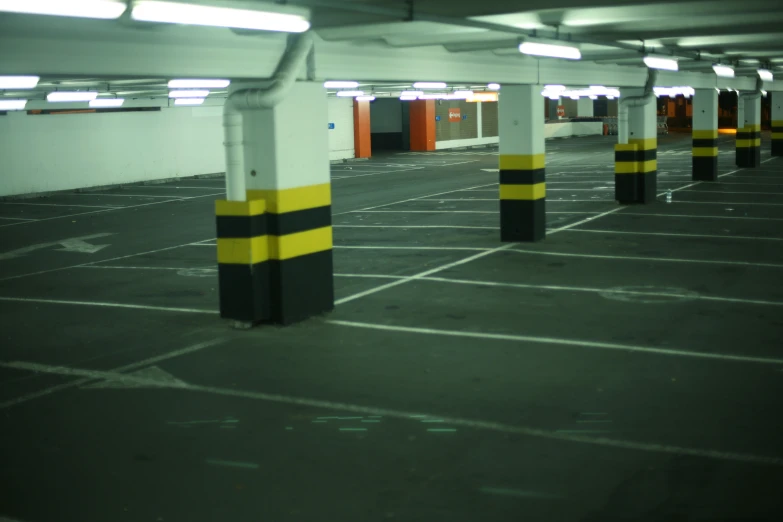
{"points": [[44, 153], [386, 115], [341, 137]]}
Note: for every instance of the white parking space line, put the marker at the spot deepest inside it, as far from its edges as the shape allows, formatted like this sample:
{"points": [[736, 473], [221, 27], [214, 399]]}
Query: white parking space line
{"points": [[691, 216], [60, 205], [737, 203], [449, 212], [578, 343], [674, 234], [17, 219], [720, 192], [117, 208], [172, 187], [117, 267], [124, 195], [413, 226], [386, 247], [591, 290], [95, 262], [108, 305], [649, 259], [133, 366], [116, 375]]}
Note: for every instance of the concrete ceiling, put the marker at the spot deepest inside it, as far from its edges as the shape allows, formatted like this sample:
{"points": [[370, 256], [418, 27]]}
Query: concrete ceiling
{"points": [[389, 44]]}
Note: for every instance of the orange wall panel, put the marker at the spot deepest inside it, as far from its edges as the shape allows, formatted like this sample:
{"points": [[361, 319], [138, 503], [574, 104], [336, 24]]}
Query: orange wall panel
{"points": [[422, 118], [361, 129]]}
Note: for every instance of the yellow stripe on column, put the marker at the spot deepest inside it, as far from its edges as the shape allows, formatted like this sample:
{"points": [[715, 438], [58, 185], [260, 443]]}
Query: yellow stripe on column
{"points": [[744, 144], [293, 199], [522, 161], [647, 166], [300, 244], [705, 151], [777, 135], [239, 208], [242, 251], [626, 167], [705, 134], [523, 192]]}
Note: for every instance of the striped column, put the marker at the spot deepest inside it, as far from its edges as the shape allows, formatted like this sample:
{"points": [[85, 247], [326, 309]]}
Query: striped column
{"points": [[749, 135], [243, 260], [275, 249], [777, 123], [636, 163], [522, 163], [705, 135]]}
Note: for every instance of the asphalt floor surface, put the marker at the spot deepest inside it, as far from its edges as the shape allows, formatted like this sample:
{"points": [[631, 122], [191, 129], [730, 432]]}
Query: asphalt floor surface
{"points": [[627, 368]]}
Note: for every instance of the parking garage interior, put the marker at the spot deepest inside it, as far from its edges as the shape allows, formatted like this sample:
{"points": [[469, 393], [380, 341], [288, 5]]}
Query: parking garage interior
{"points": [[369, 261]]}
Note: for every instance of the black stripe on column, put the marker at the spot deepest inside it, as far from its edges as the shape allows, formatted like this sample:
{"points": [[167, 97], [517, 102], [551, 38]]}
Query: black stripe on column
{"points": [[301, 287], [241, 226], [522, 220], [522, 177], [299, 221]]}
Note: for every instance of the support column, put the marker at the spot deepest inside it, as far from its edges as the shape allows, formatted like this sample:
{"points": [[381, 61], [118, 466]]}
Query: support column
{"points": [[749, 136], [422, 118], [362, 144], [777, 123], [275, 249], [584, 108], [705, 135], [522, 162], [636, 164]]}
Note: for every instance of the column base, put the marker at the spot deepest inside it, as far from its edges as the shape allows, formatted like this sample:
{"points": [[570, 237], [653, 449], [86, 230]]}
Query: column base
{"points": [[705, 168], [777, 147], [522, 221], [301, 287], [243, 292], [748, 157]]}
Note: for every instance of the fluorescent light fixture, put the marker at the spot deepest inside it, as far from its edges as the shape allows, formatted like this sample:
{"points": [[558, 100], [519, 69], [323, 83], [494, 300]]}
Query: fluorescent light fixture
{"points": [[554, 97], [656, 62], [407, 98], [188, 101], [411, 93], [550, 51], [341, 85], [105, 9], [62, 96], [350, 94], [12, 105], [222, 13], [593, 97], [764, 93], [365, 98], [107, 102], [765, 74], [574, 96], [433, 96], [18, 82], [724, 71], [429, 85], [195, 93], [493, 86], [462, 94], [610, 97], [199, 84], [555, 88]]}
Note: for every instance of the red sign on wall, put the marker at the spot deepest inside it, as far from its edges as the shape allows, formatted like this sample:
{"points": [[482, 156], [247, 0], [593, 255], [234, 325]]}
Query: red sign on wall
{"points": [[561, 110], [455, 115]]}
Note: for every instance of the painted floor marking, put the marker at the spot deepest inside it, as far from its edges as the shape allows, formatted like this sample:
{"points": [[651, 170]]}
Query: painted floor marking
{"points": [[94, 262], [17, 219], [559, 342], [673, 234], [453, 421], [639, 258], [413, 226], [562, 288], [460, 262], [109, 305], [125, 195], [691, 216], [116, 371], [118, 208], [60, 205]]}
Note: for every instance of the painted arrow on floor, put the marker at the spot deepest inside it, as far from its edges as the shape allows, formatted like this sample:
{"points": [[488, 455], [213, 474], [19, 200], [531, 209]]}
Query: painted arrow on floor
{"points": [[72, 244], [150, 377]]}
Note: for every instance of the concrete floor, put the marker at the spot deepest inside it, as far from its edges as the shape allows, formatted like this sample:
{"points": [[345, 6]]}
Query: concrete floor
{"points": [[628, 368]]}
